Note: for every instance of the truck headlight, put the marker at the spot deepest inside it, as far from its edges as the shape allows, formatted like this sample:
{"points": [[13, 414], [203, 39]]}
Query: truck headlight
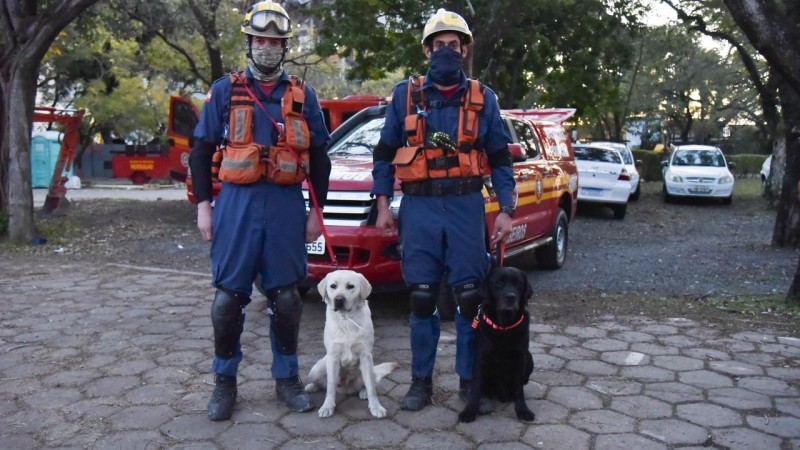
{"points": [[725, 179]]}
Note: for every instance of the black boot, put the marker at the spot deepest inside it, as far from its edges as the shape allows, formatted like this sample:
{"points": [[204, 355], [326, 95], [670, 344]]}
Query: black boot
{"points": [[484, 406], [419, 394], [220, 407], [290, 391]]}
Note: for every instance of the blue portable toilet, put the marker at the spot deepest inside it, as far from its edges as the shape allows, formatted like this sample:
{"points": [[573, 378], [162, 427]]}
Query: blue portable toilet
{"points": [[45, 146]]}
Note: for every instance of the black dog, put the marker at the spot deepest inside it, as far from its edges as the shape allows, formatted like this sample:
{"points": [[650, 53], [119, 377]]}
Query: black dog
{"points": [[503, 362]]}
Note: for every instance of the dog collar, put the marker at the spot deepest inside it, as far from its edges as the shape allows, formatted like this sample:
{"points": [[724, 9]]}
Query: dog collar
{"points": [[489, 322]]}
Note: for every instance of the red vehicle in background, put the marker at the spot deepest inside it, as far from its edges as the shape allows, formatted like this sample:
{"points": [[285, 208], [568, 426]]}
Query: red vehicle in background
{"points": [[184, 115]]}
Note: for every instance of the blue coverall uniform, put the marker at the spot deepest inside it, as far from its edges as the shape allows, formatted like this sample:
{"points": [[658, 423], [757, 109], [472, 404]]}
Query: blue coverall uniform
{"points": [[258, 228], [445, 232]]}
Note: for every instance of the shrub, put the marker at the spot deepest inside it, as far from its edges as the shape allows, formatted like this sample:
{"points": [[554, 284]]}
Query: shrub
{"points": [[746, 164], [650, 169]]}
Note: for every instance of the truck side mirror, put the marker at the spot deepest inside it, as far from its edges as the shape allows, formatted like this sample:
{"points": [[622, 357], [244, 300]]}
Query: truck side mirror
{"points": [[517, 153]]}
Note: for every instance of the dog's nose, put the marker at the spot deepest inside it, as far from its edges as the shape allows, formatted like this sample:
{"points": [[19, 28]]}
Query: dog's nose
{"points": [[338, 302]]}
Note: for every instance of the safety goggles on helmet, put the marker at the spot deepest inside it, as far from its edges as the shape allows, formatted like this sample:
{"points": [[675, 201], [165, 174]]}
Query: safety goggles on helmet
{"points": [[262, 20]]}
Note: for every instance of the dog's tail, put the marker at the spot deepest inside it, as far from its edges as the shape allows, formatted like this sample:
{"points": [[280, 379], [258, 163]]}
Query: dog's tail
{"points": [[382, 370]]}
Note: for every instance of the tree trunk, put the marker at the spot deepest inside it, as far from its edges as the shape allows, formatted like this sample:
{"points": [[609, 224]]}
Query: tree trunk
{"points": [[18, 92], [787, 222]]}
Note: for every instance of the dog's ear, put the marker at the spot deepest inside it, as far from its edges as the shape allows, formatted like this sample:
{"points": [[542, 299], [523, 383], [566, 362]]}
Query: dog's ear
{"points": [[366, 288], [322, 287]]}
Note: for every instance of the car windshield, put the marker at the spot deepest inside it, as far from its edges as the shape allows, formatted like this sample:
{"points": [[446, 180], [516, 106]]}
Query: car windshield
{"points": [[597, 154], [622, 149], [360, 141], [708, 158]]}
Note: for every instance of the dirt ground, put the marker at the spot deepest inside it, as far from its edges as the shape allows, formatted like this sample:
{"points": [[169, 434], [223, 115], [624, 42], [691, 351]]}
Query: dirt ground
{"points": [[700, 260]]}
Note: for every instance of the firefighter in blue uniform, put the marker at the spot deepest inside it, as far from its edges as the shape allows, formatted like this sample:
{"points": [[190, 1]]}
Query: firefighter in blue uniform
{"points": [[441, 219], [259, 224]]}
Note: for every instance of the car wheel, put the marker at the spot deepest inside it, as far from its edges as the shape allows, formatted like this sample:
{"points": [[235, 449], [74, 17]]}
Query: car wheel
{"points": [[552, 255], [619, 211], [139, 178], [667, 198], [636, 193], [447, 301]]}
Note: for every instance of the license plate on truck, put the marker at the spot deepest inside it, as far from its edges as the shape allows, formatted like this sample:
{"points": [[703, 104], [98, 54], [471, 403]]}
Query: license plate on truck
{"points": [[317, 247]]}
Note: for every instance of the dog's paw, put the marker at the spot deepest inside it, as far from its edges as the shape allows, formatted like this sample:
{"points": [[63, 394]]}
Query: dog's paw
{"points": [[362, 394], [467, 416], [526, 415], [326, 410], [378, 411]]}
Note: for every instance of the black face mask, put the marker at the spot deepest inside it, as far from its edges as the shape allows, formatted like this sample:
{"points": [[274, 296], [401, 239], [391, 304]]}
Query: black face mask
{"points": [[446, 66]]}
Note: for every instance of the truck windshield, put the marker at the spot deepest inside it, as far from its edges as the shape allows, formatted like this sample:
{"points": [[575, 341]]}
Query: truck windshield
{"points": [[360, 141]]}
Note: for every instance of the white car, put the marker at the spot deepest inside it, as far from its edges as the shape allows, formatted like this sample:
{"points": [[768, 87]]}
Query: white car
{"points": [[765, 168], [602, 177], [697, 171], [630, 165]]}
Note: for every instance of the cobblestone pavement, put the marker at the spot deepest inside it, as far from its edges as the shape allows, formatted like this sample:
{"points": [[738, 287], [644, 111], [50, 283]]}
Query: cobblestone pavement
{"points": [[110, 356]]}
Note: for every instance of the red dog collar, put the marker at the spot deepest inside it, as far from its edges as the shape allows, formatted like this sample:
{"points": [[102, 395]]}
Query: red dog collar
{"points": [[492, 324]]}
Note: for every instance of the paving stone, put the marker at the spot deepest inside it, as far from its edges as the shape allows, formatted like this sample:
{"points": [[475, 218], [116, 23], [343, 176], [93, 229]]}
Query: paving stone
{"points": [[654, 349], [732, 345], [252, 436], [493, 428], [142, 417], [784, 373], [625, 441], [52, 398], [602, 421], [152, 394], [678, 363], [647, 373], [557, 378], [589, 367], [605, 345], [131, 440], [195, 427], [641, 407], [705, 379], [735, 368], [660, 330], [311, 424], [679, 341], [706, 354], [767, 386], [611, 387], [547, 362], [744, 439], [437, 440], [673, 432], [787, 427], [709, 415], [739, 398], [431, 417], [316, 443], [585, 332], [548, 412], [576, 398], [788, 351], [555, 340], [788, 406], [759, 359], [569, 353], [633, 336], [788, 340], [625, 358], [749, 336], [543, 328], [556, 437]]}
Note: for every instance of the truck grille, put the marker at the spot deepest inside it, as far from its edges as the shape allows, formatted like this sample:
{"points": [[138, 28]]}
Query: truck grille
{"points": [[345, 208]]}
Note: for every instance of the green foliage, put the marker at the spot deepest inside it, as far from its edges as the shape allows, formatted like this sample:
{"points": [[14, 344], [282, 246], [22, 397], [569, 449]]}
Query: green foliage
{"points": [[746, 165], [760, 306], [650, 169]]}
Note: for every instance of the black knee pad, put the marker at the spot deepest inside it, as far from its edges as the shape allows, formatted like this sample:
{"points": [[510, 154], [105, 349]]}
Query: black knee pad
{"points": [[285, 307], [423, 299], [228, 321], [468, 298]]}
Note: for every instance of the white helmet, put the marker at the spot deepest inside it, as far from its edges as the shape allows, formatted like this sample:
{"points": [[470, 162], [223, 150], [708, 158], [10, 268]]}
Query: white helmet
{"points": [[267, 19], [445, 20]]}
